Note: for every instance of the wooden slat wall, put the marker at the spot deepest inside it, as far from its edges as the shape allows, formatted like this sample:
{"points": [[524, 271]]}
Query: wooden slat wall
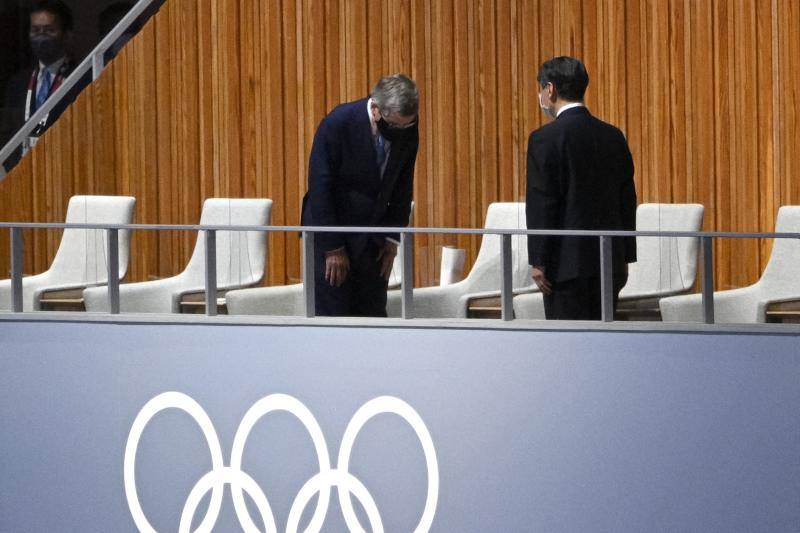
{"points": [[222, 97]]}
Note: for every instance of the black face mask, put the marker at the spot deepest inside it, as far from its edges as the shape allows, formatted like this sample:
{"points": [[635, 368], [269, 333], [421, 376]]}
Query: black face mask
{"points": [[47, 49], [396, 134]]}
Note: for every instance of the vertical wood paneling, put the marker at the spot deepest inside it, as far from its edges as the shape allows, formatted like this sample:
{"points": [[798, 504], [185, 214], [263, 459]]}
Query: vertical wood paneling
{"points": [[422, 69], [222, 98], [441, 93], [746, 191]]}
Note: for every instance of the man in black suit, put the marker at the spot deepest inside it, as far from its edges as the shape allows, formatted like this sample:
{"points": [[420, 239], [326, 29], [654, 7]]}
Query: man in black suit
{"points": [[50, 32], [361, 173], [580, 176]]}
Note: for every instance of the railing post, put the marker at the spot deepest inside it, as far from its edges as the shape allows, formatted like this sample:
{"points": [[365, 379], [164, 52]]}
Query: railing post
{"points": [[407, 274], [16, 269], [98, 64], [211, 272], [113, 271], [606, 280], [708, 279], [507, 280], [308, 273]]}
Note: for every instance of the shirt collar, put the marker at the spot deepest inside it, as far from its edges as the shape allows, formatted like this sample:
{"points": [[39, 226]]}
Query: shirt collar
{"points": [[569, 106], [373, 124], [52, 67]]}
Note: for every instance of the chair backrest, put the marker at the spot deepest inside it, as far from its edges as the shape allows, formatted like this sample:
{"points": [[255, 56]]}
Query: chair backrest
{"points": [[82, 254], [665, 265], [241, 255], [485, 272], [782, 272]]}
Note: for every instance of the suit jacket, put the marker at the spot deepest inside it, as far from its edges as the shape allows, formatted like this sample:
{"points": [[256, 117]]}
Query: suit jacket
{"points": [[580, 176], [14, 104], [344, 183]]}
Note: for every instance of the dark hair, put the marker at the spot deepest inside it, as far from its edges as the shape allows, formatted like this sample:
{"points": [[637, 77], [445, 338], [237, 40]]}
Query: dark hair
{"points": [[57, 8], [396, 94], [567, 74]]}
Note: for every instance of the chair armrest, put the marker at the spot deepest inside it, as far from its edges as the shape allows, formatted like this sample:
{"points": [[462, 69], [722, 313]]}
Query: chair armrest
{"points": [[195, 302], [496, 293]]}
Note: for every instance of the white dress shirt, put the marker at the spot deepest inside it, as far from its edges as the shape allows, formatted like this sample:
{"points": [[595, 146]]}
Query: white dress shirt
{"points": [[53, 68], [569, 106]]}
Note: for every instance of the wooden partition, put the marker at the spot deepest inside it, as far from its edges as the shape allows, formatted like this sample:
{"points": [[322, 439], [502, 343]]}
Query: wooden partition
{"points": [[222, 97]]}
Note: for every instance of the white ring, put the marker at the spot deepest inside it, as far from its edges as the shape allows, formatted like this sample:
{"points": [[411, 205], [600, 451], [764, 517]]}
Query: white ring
{"points": [[240, 481], [163, 401], [325, 480], [389, 404], [268, 404]]}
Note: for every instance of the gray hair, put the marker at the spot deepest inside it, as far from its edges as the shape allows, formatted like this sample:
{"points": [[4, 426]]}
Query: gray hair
{"points": [[396, 94]]}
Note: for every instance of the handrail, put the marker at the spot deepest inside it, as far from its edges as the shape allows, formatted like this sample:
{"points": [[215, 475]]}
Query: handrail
{"points": [[396, 229], [406, 235], [92, 61]]}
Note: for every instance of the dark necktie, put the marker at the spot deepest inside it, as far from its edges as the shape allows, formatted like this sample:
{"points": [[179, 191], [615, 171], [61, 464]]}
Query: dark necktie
{"points": [[380, 151]]}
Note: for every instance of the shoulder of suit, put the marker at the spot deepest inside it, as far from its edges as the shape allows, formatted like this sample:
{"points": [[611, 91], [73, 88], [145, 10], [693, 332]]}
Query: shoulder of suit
{"points": [[349, 110], [610, 128], [576, 119], [544, 131], [338, 122]]}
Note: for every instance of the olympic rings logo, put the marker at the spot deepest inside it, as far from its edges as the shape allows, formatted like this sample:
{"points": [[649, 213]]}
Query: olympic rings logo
{"points": [[241, 482]]}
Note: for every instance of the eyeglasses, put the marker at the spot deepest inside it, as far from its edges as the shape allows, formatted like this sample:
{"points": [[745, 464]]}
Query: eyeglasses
{"points": [[398, 126]]}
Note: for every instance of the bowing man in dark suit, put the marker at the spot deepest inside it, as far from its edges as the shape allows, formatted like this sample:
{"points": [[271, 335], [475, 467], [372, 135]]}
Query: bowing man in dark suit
{"points": [[580, 176], [361, 173]]}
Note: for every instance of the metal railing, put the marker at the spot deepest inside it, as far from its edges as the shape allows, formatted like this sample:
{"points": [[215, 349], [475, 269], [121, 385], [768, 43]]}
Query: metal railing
{"points": [[406, 243], [94, 61]]}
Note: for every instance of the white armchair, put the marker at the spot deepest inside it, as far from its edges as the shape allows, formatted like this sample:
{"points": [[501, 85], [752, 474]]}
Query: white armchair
{"points": [[80, 260], [779, 282], [282, 300], [241, 260], [483, 279], [287, 300], [396, 275], [665, 265], [451, 269]]}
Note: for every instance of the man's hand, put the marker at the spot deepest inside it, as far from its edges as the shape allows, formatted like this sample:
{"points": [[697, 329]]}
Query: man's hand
{"points": [[541, 281], [337, 266], [386, 258]]}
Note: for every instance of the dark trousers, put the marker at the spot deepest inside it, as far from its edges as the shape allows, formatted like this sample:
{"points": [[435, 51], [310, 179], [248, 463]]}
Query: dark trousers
{"points": [[579, 298], [362, 294]]}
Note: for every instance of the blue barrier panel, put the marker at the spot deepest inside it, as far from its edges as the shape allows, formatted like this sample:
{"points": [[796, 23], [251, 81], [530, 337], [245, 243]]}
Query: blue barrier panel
{"points": [[460, 429]]}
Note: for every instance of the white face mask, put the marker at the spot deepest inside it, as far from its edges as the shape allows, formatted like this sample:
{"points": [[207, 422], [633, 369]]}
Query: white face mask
{"points": [[547, 111]]}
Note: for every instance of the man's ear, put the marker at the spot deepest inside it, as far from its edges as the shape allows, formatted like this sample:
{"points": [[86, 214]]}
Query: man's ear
{"points": [[552, 93]]}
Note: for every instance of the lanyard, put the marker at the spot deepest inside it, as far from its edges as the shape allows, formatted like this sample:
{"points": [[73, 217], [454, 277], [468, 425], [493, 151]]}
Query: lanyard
{"points": [[59, 78]]}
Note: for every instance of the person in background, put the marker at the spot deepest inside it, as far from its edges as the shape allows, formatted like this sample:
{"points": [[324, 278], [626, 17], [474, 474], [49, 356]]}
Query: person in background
{"points": [[50, 32], [361, 173], [580, 177]]}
